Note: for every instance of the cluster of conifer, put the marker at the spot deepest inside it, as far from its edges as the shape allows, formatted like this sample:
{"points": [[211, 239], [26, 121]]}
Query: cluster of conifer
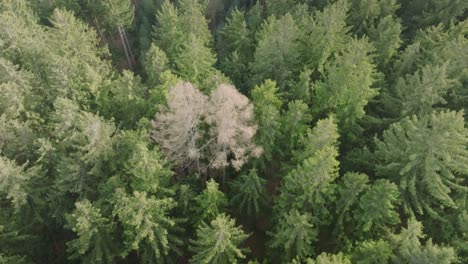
{"points": [[217, 131]]}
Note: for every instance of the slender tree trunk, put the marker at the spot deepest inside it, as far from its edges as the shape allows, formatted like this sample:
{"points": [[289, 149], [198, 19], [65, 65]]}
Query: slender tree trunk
{"points": [[128, 45], [119, 28], [101, 35]]}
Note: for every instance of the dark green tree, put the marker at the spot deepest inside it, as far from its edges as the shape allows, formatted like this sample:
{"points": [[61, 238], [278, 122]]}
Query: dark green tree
{"points": [[249, 193], [426, 157], [293, 236]]}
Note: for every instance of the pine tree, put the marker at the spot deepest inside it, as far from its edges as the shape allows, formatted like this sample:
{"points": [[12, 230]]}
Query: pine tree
{"points": [[423, 90], [326, 258], [95, 241], [13, 182], [364, 14], [237, 48], [249, 193], [194, 61], [155, 64], [377, 208], [277, 52], [210, 203], [146, 224], [347, 88], [369, 252], [294, 126], [409, 249], [310, 185], [426, 157], [349, 191], [421, 14], [323, 34], [218, 242], [166, 33], [293, 236], [386, 38], [267, 106]]}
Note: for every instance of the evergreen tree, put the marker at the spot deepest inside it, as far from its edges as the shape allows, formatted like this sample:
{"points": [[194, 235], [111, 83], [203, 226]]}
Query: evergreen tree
{"points": [[310, 185], [426, 157], [348, 86], [294, 235], [377, 208], [294, 126], [277, 52], [408, 247], [95, 241], [267, 106], [146, 224], [323, 34], [210, 203], [194, 61], [155, 64], [349, 191], [13, 182], [167, 34], [424, 90], [218, 242], [237, 48], [249, 193], [386, 39]]}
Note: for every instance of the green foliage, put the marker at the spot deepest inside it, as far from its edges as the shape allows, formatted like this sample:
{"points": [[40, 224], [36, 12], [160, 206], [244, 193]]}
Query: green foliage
{"points": [[326, 258], [372, 252], [94, 243], [426, 156], [118, 12], [218, 242], [146, 223], [238, 48], [352, 185], [267, 105], [410, 250], [377, 207], [323, 34], [100, 165], [386, 39], [294, 126], [293, 236], [155, 64], [277, 52], [13, 182], [310, 186], [210, 203], [348, 86], [425, 89], [194, 61], [250, 193], [421, 14]]}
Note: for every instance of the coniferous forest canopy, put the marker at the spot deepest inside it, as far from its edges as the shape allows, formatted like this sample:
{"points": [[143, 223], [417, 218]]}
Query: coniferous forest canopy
{"points": [[234, 131]]}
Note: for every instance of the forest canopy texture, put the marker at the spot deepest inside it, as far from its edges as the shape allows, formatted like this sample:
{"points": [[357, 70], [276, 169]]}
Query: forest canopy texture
{"points": [[243, 131]]}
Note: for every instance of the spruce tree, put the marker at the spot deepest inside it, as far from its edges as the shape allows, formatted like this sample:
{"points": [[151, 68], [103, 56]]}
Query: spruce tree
{"points": [[95, 235], [218, 242], [277, 52], [293, 236], [426, 157], [249, 193], [210, 203]]}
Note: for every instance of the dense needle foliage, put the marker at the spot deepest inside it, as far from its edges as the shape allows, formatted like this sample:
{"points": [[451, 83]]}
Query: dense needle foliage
{"points": [[246, 131]]}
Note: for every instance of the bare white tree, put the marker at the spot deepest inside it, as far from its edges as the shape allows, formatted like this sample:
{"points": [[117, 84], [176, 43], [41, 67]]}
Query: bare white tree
{"points": [[230, 116], [211, 133], [176, 128]]}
